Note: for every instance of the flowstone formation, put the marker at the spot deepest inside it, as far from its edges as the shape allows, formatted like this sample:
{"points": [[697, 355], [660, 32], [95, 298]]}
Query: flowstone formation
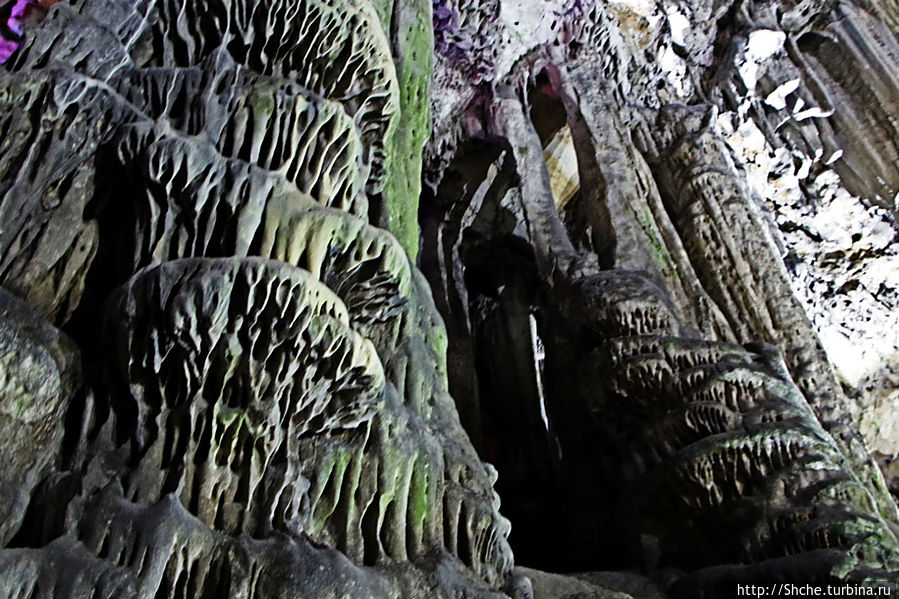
{"points": [[223, 374], [260, 408], [625, 342]]}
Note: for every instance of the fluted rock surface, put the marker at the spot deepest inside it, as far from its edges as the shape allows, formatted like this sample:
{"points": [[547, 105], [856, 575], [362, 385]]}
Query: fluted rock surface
{"points": [[223, 374], [187, 188], [614, 223]]}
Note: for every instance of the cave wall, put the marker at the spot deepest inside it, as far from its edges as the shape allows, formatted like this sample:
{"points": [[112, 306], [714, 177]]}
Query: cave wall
{"points": [[622, 172], [260, 408], [282, 280]]}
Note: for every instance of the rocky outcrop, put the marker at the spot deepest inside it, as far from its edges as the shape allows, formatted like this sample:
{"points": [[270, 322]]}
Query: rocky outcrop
{"points": [[40, 375], [223, 374]]}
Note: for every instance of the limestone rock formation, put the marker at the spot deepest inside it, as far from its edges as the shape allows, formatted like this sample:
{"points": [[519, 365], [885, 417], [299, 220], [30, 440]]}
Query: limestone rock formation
{"points": [[281, 280], [610, 222], [263, 411]]}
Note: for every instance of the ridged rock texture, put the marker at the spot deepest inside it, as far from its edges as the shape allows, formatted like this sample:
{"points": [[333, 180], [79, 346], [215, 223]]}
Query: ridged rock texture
{"points": [[262, 408], [282, 279], [600, 228]]}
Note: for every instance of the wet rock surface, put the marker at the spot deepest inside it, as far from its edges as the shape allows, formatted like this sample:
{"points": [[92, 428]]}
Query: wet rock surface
{"points": [[263, 411], [294, 292]]}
